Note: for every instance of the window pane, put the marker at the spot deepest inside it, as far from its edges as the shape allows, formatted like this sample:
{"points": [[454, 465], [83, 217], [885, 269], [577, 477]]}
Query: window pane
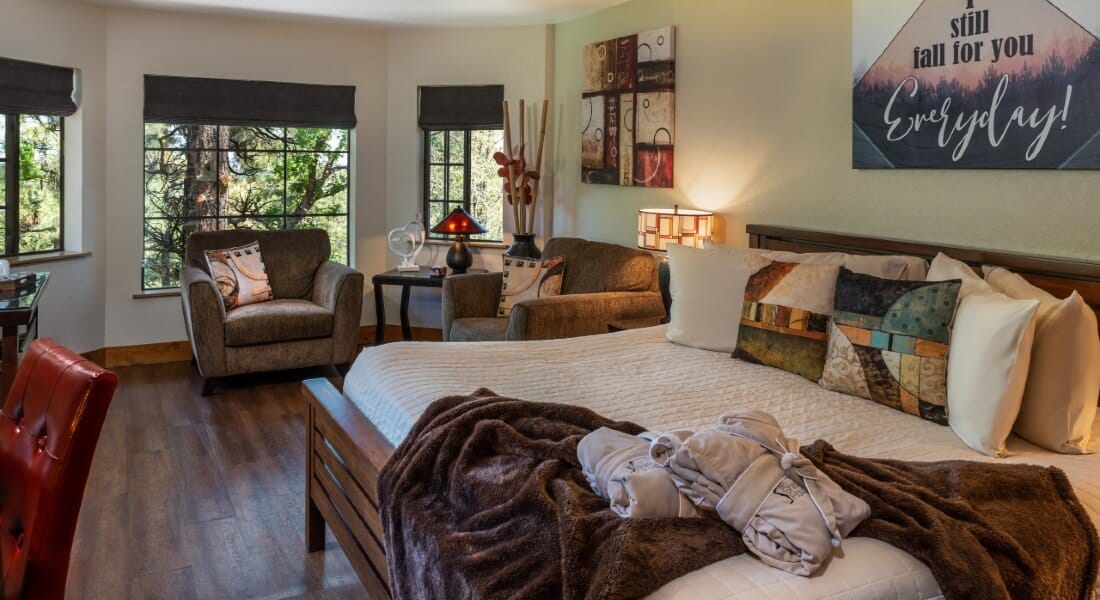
{"points": [[337, 228], [254, 223], [242, 139], [456, 187], [436, 150], [458, 147], [317, 140], [436, 212], [252, 183], [164, 135], [180, 183], [436, 182], [317, 183], [486, 188], [39, 184], [164, 239]]}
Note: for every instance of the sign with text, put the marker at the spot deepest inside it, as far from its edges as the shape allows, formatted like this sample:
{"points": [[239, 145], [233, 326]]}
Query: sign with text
{"points": [[976, 84]]}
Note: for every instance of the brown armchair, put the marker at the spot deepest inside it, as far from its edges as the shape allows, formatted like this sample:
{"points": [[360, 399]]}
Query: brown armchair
{"points": [[313, 320], [602, 283]]}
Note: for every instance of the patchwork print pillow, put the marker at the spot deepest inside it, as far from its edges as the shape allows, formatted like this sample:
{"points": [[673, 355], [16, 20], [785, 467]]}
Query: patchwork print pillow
{"points": [[785, 318], [239, 275], [889, 342], [529, 278]]}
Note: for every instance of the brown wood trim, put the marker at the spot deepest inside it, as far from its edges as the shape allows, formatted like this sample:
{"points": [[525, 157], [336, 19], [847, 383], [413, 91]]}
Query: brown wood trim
{"points": [[156, 294], [179, 351], [49, 257]]}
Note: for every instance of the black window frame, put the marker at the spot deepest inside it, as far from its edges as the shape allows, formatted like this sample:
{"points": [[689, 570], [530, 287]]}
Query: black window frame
{"points": [[426, 176], [12, 139], [219, 152]]}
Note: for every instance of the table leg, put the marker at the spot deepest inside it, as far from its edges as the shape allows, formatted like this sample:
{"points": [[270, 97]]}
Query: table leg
{"points": [[406, 331], [380, 316], [9, 359]]}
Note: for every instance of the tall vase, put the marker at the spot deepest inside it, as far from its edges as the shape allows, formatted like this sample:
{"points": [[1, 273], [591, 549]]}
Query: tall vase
{"points": [[523, 246]]}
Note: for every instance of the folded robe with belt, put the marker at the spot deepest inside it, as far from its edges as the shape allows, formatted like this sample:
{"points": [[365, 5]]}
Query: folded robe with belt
{"points": [[485, 499], [789, 514]]}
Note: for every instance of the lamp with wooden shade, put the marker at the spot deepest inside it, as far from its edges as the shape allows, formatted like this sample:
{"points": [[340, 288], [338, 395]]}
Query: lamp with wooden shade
{"points": [[659, 227], [459, 224]]}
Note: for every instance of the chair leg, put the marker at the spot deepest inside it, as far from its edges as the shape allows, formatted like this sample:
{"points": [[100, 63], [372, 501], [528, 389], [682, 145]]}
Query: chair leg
{"points": [[209, 386]]}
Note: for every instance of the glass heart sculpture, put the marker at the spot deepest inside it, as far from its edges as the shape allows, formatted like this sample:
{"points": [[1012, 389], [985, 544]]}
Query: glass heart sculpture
{"points": [[406, 242]]}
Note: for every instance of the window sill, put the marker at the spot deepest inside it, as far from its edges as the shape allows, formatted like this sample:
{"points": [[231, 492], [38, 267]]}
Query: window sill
{"points": [[469, 244], [46, 257], [157, 294]]}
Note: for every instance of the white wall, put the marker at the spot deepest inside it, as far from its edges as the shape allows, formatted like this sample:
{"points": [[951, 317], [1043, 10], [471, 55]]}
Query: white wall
{"points": [[150, 42], [517, 57], [71, 35]]}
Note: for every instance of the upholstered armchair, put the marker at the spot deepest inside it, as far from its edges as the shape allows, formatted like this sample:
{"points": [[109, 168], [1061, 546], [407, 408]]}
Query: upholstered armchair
{"points": [[602, 283], [312, 321]]}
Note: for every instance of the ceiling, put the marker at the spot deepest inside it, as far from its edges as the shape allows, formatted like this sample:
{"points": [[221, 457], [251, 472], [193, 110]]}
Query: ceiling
{"points": [[390, 12]]}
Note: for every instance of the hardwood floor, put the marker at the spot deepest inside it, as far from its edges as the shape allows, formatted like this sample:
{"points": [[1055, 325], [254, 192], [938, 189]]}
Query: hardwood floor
{"points": [[193, 497]]}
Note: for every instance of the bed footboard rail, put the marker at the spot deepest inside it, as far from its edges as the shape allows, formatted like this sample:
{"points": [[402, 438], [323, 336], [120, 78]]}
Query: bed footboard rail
{"points": [[345, 452]]}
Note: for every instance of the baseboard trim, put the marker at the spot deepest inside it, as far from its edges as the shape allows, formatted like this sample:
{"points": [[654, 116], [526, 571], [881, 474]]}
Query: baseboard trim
{"points": [[169, 352]]}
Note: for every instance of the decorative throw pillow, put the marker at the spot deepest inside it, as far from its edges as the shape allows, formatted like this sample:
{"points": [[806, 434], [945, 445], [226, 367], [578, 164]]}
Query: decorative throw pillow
{"points": [[1059, 402], [785, 317], [889, 340], [527, 279], [240, 275], [704, 283]]}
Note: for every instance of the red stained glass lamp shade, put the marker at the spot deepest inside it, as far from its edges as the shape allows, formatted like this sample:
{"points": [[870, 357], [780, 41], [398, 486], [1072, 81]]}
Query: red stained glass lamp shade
{"points": [[459, 222]]}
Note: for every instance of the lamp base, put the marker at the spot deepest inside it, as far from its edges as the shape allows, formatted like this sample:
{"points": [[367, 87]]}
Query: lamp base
{"points": [[459, 257]]}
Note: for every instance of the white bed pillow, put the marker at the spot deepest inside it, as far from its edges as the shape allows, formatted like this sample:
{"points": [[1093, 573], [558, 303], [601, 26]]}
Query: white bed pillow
{"points": [[944, 267], [708, 291], [987, 368], [910, 268], [1059, 402]]}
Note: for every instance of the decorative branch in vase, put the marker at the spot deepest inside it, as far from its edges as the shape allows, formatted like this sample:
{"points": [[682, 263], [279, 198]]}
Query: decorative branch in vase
{"points": [[521, 183]]}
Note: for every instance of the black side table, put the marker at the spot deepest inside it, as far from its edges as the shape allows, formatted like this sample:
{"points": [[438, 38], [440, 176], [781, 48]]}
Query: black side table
{"points": [[407, 280]]}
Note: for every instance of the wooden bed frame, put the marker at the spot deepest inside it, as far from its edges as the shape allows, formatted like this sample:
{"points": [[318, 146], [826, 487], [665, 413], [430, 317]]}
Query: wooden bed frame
{"points": [[345, 452]]}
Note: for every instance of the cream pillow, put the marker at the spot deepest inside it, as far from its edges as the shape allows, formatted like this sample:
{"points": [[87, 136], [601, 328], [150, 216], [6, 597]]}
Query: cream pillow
{"points": [[1059, 402], [528, 279], [708, 290], [987, 368], [910, 268], [944, 267]]}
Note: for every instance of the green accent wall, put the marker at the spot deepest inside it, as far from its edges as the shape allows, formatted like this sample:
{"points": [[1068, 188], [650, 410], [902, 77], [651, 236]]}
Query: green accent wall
{"points": [[764, 135]]}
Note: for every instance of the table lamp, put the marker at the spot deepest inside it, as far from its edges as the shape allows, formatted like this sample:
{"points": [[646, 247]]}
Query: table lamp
{"points": [[659, 227], [459, 224]]}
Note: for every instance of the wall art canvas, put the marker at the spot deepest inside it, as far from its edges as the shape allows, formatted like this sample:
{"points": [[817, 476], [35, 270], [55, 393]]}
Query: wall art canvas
{"points": [[976, 84], [628, 105]]}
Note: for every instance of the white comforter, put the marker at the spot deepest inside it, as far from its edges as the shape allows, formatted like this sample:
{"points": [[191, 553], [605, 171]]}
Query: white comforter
{"points": [[640, 376]]}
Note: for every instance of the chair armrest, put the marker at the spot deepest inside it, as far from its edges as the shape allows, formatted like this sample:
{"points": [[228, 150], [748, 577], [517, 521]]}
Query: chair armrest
{"points": [[339, 288], [204, 317], [574, 315], [476, 295]]}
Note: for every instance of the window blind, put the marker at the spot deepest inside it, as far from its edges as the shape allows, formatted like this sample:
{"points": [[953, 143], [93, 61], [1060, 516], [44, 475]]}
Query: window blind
{"points": [[36, 89], [461, 107], [203, 101]]}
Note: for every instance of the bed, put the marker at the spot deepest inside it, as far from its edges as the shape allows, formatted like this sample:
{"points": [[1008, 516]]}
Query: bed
{"points": [[639, 376]]}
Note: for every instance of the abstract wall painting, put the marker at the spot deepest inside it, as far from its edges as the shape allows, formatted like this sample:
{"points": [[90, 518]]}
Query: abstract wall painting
{"points": [[628, 107], [976, 84]]}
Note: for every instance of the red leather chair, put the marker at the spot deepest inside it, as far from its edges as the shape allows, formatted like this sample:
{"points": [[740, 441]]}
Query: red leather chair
{"points": [[49, 427]]}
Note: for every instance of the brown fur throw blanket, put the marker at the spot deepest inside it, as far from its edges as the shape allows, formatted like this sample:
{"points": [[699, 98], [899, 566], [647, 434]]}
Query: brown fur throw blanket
{"points": [[485, 499]]}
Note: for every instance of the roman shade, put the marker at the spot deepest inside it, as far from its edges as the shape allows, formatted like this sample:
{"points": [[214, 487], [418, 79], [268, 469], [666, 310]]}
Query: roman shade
{"points": [[202, 101], [36, 89], [461, 107]]}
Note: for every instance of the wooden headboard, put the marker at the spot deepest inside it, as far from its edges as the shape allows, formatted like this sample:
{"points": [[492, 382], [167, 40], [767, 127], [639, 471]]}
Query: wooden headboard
{"points": [[1057, 276]]}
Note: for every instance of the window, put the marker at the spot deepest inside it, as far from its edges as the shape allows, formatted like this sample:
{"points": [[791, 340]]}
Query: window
{"points": [[459, 171], [31, 183], [213, 177]]}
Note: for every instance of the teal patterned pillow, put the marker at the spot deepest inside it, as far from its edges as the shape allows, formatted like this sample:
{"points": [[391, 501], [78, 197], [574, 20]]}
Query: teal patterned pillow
{"points": [[889, 341]]}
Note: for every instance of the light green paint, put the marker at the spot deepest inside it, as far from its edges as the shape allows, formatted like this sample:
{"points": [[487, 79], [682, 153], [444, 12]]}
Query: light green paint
{"points": [[763, 121]]}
